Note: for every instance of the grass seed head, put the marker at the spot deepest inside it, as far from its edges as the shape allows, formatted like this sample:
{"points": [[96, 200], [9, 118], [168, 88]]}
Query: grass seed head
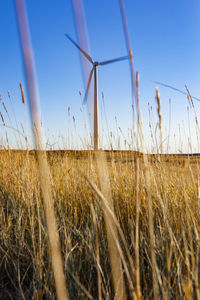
{"points": [[2, 118], [22, 93], [158, 108], [4, 107]]}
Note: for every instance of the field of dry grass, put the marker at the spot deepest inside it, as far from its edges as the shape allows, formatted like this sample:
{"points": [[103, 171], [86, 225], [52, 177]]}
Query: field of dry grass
{"points": [[172, 188], [97, 224]]}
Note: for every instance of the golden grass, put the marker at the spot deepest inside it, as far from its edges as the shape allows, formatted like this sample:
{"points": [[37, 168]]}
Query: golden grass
{"points": [[128, 223], [25, 267]]}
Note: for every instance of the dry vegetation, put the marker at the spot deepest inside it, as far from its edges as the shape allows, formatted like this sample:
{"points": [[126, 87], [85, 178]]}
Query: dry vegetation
{"points": [[172, 188], [128, 223]]}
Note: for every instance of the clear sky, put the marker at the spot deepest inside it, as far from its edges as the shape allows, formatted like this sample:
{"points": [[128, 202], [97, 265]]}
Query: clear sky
{"points": [[165, 39]]}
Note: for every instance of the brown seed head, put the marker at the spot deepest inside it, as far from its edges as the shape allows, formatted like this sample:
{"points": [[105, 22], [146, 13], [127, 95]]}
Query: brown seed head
{"points": [[158, 109], [22, 93], [189, 96], [2, 118], [137, 79], [4, 107], [130, 54]]}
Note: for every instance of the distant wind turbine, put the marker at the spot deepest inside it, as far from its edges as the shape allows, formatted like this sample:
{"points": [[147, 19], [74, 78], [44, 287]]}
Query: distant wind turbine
{"points": [[95, 64]]}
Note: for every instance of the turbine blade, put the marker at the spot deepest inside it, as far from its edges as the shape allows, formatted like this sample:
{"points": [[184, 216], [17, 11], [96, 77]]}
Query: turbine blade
{"points": [[128, 46], [88, 86], [175, 89], [113, 60], [82, 51]]}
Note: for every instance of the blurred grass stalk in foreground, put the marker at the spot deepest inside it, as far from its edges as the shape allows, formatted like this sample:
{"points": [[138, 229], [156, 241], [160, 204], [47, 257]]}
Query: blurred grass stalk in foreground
{"points": [[44, 173], [101, 168]]}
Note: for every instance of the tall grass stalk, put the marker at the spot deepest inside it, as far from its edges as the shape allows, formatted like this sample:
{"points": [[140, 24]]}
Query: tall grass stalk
{"points": [[10, 121], [147, 176], [5, 129], [41, 155], [25, 114], [15, 118], [111, 230]]}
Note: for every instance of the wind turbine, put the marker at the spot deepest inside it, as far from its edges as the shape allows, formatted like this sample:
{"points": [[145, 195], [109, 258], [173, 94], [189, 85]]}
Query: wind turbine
{"points": [[93, 71]]}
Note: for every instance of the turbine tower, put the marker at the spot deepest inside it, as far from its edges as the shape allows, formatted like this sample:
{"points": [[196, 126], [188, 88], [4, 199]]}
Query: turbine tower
{"points": [[93, 71]]}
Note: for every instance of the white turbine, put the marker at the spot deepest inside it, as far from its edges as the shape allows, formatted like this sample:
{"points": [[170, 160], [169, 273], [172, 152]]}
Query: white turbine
{"points": [[93, 71]]}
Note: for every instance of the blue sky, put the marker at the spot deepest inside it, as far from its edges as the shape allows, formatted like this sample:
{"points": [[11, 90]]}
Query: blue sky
{"points": [[166, 47]]}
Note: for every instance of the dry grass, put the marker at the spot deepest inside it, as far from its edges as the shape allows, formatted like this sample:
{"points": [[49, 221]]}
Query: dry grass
{"points": [[25, 269], [128, 223]]}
